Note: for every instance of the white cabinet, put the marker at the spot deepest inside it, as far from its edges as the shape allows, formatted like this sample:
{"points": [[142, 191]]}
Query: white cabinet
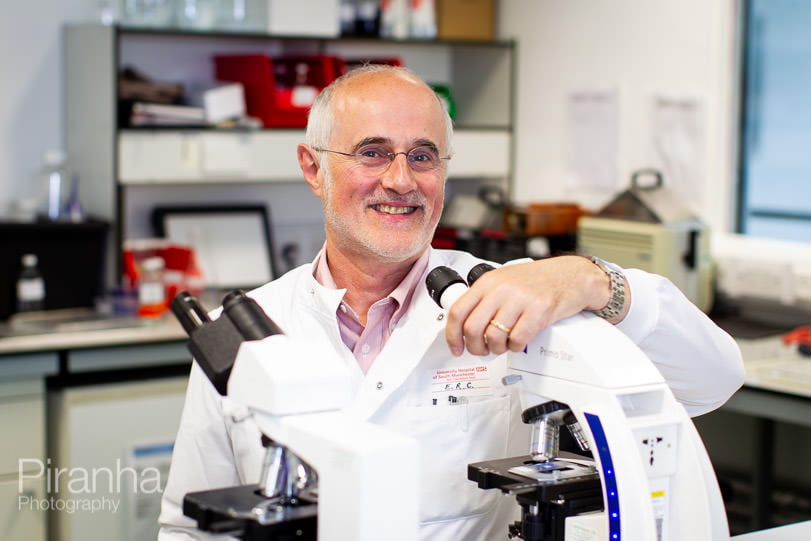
{"points": [[24, 502], [22, 512], [114, 441], [208, 156]]}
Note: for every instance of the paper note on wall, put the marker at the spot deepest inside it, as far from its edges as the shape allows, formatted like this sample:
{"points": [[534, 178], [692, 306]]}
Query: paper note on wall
{"points": [[678, 144], [592, 144]]}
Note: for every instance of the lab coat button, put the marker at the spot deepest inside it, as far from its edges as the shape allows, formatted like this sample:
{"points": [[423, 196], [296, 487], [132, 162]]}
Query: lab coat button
{"points": [[379, 385], [440, 317]]}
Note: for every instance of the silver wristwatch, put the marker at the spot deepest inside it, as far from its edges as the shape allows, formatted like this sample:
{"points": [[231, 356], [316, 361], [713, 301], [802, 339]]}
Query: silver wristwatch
{"points": [[617, 301]]}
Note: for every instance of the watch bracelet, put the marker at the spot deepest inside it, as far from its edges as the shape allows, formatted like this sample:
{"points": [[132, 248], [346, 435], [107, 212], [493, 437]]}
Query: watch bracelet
{"points": [[617, 283]]}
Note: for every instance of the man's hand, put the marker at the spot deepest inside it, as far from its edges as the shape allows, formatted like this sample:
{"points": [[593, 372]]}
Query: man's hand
{"points": [[506, 307]]}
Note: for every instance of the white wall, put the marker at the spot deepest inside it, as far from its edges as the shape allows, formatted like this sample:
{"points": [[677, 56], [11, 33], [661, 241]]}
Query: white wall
{"points": [[641, 47], [31, 88]]}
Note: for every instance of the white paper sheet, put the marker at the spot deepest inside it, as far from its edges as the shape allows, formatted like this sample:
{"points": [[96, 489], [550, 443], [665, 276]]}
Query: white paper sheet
{"points": [[679, 137], [593, 139]]}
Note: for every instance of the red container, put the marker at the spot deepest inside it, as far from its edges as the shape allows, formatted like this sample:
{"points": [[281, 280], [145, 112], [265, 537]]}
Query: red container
{"points": [[279, 91]]}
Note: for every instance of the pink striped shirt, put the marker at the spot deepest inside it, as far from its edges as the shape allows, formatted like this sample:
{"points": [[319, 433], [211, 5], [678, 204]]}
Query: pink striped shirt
{"points": [[367, 342]]}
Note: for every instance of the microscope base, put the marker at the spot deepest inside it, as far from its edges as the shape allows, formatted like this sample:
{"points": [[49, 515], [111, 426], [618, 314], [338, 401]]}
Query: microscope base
{"points": [[230, 511]]}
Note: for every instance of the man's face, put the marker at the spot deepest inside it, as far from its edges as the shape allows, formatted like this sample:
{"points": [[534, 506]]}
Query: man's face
{"points": [[386, 215]]}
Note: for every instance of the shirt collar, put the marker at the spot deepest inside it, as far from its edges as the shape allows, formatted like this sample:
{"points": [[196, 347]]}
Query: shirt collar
{"points": [[402, 293]]}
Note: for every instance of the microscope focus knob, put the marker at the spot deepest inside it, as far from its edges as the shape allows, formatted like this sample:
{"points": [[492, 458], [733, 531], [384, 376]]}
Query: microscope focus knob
{"points": [[535, 413]]}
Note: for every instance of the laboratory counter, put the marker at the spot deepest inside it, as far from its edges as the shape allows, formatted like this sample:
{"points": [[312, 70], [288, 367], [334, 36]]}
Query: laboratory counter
{"points": [[98, 347], [87, 390], [777, 389], [790, 532]]}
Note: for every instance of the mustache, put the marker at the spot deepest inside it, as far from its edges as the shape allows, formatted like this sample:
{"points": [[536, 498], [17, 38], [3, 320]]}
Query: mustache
{"points": [[411, 199]]}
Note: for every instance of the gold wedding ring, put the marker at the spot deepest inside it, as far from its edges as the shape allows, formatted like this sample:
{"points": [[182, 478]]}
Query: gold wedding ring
{"points": [[501, 326]]}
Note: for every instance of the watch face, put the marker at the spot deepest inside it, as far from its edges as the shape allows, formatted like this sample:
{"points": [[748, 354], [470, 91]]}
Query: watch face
{"points": [[606, 265]]}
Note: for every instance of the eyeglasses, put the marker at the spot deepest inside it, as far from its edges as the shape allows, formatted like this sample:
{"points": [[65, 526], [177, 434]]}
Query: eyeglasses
{"points": [[420, 159]]}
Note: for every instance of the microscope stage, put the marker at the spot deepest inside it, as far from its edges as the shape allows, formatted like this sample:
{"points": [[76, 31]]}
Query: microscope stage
{"points": [[521, 474]]}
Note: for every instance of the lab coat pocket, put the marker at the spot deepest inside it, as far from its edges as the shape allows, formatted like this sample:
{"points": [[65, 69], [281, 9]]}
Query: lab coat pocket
{"points": [[451, 437]]}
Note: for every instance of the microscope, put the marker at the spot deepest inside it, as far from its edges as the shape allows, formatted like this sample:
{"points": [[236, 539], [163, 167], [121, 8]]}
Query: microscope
{"points": [[339, 483], [641, 472]]}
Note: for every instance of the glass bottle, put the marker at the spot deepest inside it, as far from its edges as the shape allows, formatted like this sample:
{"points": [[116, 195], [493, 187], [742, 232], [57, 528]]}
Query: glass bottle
{"points": [[151, 289], [54, 179], [30, 286]]}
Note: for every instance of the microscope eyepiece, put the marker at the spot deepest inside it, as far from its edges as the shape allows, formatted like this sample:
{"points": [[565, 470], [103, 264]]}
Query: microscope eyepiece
{"points": [[476, 272], [188, 311], [440, 279], [248, 317]]}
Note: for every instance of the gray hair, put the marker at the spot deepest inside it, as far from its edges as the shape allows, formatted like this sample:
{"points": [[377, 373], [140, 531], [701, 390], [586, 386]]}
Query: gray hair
{"points": [[320, 120]]}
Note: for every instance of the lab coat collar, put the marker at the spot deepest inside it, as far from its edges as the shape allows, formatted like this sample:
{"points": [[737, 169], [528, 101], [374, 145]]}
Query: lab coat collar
{"points": [[323, 299]]}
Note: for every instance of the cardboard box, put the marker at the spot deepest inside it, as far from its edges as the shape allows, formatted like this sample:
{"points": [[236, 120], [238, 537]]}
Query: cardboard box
{"points": [[466, 19]]}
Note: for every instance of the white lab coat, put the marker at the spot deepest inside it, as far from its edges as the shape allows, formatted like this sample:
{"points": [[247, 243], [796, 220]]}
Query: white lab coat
{"points": [[218, 446]]}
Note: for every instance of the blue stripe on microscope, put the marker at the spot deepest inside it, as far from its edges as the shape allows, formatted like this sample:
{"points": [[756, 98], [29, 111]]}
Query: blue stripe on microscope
{"points": [[609, 476]]}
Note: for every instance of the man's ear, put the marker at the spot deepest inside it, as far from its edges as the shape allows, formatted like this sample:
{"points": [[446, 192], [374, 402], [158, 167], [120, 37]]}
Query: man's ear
{"points": [[310, 167]]}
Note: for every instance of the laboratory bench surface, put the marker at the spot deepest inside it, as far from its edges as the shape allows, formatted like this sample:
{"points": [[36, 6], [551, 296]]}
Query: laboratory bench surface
{"points": [[155, 347], [790, 532], [777, 389], [130, 333]]}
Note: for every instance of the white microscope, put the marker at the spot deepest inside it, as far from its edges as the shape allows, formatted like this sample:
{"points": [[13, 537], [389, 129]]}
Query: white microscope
{"points": [[645, 475], [340, 483], [648, 477]]}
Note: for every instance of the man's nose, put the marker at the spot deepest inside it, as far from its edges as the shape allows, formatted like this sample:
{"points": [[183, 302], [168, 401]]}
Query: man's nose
{"points": [[399, 176]]}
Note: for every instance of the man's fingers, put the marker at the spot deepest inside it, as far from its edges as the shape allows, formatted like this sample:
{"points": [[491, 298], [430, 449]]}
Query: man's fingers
{"points": [[457, 317]]}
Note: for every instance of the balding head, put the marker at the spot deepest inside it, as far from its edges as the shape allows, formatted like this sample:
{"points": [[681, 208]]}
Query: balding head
{"points": [[372, 81]]}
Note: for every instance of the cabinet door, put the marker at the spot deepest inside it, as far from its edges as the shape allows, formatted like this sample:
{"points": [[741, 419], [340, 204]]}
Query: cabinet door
{"points": [[23, 513], [23, 422], [147, 157]]}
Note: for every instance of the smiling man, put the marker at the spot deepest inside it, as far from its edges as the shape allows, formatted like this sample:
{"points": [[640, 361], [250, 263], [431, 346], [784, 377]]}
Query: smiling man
{"points": [[378, 146]]}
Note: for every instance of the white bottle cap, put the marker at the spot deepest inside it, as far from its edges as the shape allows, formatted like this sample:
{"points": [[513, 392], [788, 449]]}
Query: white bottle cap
{"points": [[55, 157], [30, 260]]}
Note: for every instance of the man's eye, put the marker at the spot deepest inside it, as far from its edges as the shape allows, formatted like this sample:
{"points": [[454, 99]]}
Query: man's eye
{"points": [[372, 152], [422, 155]]}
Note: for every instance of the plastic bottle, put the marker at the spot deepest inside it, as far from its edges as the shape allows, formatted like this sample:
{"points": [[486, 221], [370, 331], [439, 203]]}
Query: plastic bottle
{"points": [[242, 15], [151, 290], [30, 286], [55, 185], [394, 19], [423, 19], [347, 15], [367, 19], [196, 14]]}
